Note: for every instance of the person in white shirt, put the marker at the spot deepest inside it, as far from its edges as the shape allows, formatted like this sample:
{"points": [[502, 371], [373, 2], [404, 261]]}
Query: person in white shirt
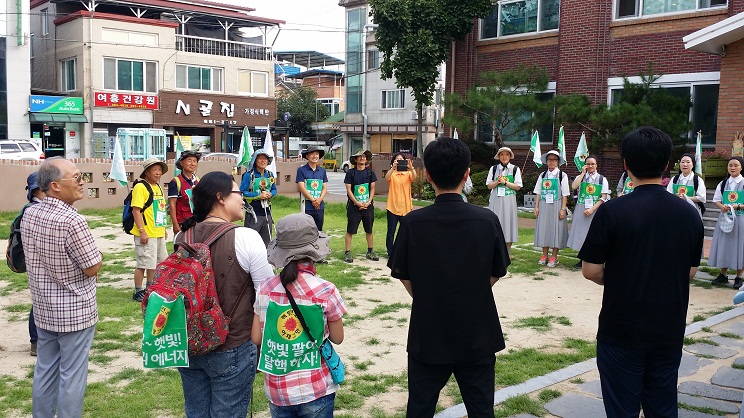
{"points": [[688, 185], [551, 228], [504, 180], [726, 249], [589, 200]]}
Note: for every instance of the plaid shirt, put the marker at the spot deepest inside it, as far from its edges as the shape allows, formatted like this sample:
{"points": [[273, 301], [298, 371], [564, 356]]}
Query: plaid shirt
{"points": [[58, 245], [300, 387]]}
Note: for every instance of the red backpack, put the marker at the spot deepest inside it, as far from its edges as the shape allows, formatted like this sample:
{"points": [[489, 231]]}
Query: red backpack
{"points": [[188, 272]]}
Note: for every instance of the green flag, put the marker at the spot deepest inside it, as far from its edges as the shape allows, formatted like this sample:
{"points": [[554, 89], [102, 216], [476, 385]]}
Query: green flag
{"points": [[179, 150], [535, 148], [581, 153], [246, 149], [118, 172], [562, 145], [699, 153]]}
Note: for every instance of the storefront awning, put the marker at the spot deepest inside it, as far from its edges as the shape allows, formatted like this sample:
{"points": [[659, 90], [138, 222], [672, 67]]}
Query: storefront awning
{"points": [[56, 117]]}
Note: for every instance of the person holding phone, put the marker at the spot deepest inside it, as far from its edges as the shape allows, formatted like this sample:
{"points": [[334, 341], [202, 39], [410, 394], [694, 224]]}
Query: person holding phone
{"points": [[399, 201]]}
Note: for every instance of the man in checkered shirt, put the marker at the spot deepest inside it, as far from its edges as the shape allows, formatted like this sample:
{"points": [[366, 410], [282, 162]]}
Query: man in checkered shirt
{"points": [[62, 261]]}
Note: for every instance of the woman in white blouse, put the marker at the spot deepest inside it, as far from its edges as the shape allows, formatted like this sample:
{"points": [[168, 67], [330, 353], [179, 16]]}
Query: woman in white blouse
{"points": [[551, 228], [504, 180], [688, 185], [726, 250], [593, 193]]}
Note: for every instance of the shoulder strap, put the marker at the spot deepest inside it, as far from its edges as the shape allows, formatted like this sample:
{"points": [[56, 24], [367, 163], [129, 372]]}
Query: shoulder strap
{"points": [[694, 182], [493, 172], [150, 197], [298, 313], [177, 179], [676, 179], [188, 236]]}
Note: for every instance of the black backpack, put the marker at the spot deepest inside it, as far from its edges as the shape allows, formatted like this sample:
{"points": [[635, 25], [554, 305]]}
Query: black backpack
{"points": [[701, 205], [127, 218], [14, 255]]}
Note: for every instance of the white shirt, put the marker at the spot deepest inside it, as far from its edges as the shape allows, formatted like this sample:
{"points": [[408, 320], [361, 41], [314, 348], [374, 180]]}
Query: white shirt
{"points": [[251, 253], [594, 178], [731, 184], [689, 180], [500, 169], [552, 175]]}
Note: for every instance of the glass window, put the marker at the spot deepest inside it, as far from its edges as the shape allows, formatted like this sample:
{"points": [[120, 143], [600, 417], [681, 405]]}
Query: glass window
{"points": [[253, 82], [637, 8], [45, 21], [373, 59], [520, 16], [513, 131], [393, 99], [198, 78], [355, 21], [69, 79], [129, 75]]}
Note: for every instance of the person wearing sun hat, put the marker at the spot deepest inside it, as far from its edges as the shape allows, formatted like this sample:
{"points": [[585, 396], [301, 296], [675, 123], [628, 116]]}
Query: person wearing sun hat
{"points": [[551, 228], [360, 190], [504, 180], [305, 388], [180, 189], [150, 223], [312, 181], [258, 186]]}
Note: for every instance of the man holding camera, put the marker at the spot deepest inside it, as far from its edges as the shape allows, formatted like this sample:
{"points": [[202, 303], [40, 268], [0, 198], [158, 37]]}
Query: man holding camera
{"points": [[399, 202]]}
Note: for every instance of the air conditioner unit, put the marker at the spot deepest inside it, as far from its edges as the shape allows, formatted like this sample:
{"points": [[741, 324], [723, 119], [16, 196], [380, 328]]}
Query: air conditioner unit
{"points": [[414, 115]]}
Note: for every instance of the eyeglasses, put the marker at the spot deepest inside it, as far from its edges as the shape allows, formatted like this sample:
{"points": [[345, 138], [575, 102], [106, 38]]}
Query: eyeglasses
{"points": [[236, 192], [77, 177]]}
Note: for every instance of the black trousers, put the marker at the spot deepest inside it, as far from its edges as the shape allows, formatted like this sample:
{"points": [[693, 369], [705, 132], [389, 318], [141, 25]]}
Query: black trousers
{"points": [[475, 379]]}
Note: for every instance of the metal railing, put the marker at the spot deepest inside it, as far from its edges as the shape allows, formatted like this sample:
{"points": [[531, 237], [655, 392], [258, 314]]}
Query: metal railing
{"points": [[221, 47]]}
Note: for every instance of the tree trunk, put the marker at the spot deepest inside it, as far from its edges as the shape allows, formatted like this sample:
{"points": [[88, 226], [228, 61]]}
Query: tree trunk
{"points": [[419, 132]]}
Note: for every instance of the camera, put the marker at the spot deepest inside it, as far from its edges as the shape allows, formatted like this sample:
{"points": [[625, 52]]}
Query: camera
{"points": [[402, 165]]}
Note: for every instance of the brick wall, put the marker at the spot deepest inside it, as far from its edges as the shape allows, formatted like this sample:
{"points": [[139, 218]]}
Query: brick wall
{"points": [[731, 96]]}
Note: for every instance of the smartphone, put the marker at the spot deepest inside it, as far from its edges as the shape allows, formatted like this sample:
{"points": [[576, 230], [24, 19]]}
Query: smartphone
{"points": [[402, 165]]}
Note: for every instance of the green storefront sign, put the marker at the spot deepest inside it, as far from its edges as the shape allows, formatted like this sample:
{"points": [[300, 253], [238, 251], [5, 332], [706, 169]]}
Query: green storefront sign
{"points": [[56, 104]]}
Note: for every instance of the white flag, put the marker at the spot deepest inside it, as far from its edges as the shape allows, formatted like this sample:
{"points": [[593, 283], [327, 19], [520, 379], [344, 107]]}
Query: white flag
{"points": [[246, 149], [269, 148], [118, 172], [562, 145], [535, 148], [699, 154], [179, 150], [454, 135], [581, 153]]}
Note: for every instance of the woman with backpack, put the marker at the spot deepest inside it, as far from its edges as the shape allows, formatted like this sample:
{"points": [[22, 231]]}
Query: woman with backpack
{"points": [[593, 190], [504, 180], [551, 228], [297, 381], [726, 248], [220, 383], [688, 185]]}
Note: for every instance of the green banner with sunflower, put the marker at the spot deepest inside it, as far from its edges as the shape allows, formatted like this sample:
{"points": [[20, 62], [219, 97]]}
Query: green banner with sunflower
{"points": [[589, 189], [314, 187], [549, 187], [285, 345], [687, 189], [262, 184], [733, 197], [361, 192]]}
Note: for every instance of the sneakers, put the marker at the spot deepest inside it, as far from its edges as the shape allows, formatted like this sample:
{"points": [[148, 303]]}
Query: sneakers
{"points": [[138, 296], [347, 257], [721, 279], [372, 256], [577, 266], [552, 262], [542, 260], [738, 282], [33, 349]]}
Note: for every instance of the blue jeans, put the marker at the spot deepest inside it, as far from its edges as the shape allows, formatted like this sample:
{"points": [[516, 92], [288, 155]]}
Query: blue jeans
{"points": [[319, 408], [219, 384], [32, 334], [635, 377]]}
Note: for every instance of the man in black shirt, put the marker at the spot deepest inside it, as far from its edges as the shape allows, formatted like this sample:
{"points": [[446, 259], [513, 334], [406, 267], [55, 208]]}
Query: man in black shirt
{"points": [[644, 249], [448, 256]]}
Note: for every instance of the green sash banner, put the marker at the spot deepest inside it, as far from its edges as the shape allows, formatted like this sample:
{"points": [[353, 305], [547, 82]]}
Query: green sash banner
{"points": [[688, 190], [361, 192], [189, 193], [628, 187], [165, 342], [502, 190], [733, 197], [314, 187], [159, 212], [261, 184], [589, 189], [549, 190], [285, 345]]}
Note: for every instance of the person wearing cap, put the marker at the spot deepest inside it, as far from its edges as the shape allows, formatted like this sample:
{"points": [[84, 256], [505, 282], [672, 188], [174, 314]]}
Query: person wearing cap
{"points": [[149, 228], [399, 199], [62, 262], [180, 189], [258, 186], [312, 181], [305, 388], [551, 188], [220, 383], [504, 181], [593, 190], [360, 190]]}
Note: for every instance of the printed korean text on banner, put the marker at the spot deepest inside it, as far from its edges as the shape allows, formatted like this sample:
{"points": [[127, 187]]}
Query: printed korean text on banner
{"points": [[502, 190], [164, 336], [314, 187], [549, 190], [361, 192], [589, 193], [286, 346]]}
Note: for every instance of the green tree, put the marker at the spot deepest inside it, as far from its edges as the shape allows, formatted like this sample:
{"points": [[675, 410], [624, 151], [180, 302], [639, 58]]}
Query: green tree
{"points": [[511, 101], [638, 104], [303, 108], [414, 37]]}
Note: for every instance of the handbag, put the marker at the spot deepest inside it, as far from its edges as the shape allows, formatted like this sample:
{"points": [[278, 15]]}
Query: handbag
{"points": [[327, 352], [726, 220]]}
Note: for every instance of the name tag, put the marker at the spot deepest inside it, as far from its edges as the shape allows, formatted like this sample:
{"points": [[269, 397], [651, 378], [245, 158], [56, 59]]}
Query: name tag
{"points": [[549, 198]]}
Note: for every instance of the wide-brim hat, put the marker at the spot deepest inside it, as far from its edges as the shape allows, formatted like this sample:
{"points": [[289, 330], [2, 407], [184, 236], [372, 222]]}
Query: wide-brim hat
{"points": [[544, 157], [297, 237], [151, 162], [260, 151], [185, 155], [503, 149], [31, 185], [304, 152], [366, 153]]}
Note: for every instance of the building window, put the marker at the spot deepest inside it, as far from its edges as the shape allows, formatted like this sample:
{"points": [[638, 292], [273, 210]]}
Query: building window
{"points": [[32, 44], [128, 37], [373, 59], [332, 105], [253, 82], [638, 8], [129, 75], [355, 21], [514, 131], [515, 17], [69, 75], [45, 21], [393, 99], [198, 78]]}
